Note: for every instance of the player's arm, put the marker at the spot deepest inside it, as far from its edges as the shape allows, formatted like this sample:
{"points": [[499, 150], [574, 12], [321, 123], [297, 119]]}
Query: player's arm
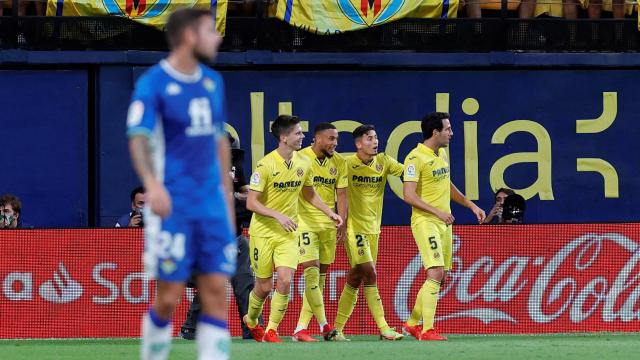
{"points": [[224, 157], [412, 198], [141, 121], [343, 209], [310, 195], [256, 206], [458, 197]]}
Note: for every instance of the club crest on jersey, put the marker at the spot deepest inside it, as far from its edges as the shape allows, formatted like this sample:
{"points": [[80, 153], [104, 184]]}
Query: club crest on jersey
{"points": [[300, 172], [168, 266], [411, 170], [302, 252], [378, 167], [255, 178], [209, 84], [436, 255], [333, 171], [361, 252], [173, 89]]}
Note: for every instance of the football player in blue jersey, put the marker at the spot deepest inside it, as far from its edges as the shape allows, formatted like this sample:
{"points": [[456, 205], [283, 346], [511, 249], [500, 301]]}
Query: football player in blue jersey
{"points": [[181, 154]]}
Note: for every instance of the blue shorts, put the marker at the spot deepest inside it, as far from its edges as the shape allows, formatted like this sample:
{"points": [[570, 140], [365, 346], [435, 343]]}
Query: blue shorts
{"points": [[176, 247]]}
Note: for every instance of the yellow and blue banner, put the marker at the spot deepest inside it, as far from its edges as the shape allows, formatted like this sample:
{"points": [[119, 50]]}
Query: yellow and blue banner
{"points": [[336, 16], [149, 12]]}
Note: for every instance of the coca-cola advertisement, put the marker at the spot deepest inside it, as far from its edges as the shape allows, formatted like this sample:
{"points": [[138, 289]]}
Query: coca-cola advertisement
{"points": [[506, 279]]}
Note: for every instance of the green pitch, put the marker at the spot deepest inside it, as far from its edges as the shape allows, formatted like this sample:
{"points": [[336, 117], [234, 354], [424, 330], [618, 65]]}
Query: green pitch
{"points": [[560, 346]]}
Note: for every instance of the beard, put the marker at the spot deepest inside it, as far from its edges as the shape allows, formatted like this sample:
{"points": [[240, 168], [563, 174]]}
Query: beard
{"points": [[327, 153]]}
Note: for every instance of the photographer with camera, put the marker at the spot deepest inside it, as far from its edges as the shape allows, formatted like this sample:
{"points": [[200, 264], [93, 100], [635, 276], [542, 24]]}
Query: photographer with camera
{"points": [[134, 217], [509, 208], [243, 280], [495, 215]]}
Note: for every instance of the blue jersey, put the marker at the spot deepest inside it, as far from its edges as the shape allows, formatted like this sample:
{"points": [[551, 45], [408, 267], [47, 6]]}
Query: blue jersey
{"points": [[183, 116]]}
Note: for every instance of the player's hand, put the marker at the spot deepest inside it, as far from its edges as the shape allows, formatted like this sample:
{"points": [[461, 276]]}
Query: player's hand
{"points": [[336, 219], [135, 220], [158, 198], [479, 213], [286, 222], [342, 234], [446, 217]]}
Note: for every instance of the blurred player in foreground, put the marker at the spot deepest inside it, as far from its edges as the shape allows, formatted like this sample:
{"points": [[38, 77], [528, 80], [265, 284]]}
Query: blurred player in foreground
{"points": [[181, 154]]}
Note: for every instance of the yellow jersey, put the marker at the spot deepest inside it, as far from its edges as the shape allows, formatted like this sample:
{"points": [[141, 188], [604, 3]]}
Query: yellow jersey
{"points": [[329, 174], [280, 184], [432, 175], [366, 191]]}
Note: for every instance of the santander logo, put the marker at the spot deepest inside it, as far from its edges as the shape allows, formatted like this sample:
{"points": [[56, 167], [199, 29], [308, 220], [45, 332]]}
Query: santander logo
{"points": [[595, 276], [62, 289]]}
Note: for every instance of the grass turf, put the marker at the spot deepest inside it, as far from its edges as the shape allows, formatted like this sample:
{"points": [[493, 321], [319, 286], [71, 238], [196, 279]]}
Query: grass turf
{"points": [[557, 346]]}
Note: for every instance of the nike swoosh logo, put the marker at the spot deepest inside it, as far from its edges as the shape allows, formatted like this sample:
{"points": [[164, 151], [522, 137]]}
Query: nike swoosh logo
{"points": [[411, 158], [355, 166], [276, 173], [313, 288]]}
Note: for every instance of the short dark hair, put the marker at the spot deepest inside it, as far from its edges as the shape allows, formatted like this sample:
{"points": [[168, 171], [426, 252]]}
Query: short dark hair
{"points": [[323, 126], [361, 130], [432, 121], [503, 190], [13, 201], [283, 125], [136, 191], [180, 20]]}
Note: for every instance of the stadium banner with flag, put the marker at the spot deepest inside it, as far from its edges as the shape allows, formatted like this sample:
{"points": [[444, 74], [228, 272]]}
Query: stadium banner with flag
{"points": [[337, 16], [149, 12], [506, 279]]}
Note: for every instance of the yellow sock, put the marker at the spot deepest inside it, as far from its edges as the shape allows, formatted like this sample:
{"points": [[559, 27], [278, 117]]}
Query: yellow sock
{"points": [[416, 313], [347, 302], [429, 303], [279, 304], [375, 306], [313, 295], [255, 309]]}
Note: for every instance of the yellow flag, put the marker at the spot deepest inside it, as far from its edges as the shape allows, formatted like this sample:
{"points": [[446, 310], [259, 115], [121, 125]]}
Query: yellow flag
{"points": [[149, 12], [336, 16]]}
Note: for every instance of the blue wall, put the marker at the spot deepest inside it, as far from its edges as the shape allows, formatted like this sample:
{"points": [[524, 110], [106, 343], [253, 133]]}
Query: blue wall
{"points": [[44, 127], [486, 104], [550, 101]]}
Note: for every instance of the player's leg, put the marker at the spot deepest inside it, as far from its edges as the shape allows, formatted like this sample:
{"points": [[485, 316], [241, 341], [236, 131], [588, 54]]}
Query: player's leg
{"points": [[349, 295], [370, 280], [169, 258], [285, 259], [429, 238], [216, 263], [308, 246], [261, 254], [327, 256]]}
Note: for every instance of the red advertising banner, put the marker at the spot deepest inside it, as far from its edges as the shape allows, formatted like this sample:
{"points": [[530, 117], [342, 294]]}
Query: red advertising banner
{"points": [[506, 279]]}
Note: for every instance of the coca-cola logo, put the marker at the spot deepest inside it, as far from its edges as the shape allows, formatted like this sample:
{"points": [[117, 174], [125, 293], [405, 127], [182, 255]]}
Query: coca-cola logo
{"points": [[595, 274]]}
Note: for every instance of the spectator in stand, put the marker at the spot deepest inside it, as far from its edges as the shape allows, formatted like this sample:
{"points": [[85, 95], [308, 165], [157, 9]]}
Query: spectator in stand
{"points": [[495, 215], [10, 211], [134, 217]]}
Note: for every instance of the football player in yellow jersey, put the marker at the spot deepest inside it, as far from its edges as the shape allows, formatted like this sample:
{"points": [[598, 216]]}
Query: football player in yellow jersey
{"points": [[317, 234], [279, 178], [429, 190], [368, 173]]}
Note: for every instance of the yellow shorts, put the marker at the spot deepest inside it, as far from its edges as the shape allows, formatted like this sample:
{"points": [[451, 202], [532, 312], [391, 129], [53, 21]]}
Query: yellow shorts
{"points": [[270, 252], [434, 242], [317, 245], [362, 248]]}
